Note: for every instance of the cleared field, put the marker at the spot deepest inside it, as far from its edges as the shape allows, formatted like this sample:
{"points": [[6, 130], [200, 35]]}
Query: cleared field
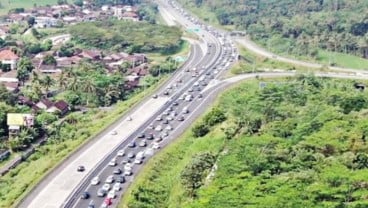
{"points": [[6, 5]]}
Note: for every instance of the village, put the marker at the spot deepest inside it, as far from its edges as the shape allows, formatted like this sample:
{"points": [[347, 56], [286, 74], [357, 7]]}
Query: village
{"points": [[40, 69]]}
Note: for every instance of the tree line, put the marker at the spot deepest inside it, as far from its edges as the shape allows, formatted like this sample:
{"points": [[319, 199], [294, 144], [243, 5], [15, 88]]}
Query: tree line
{"points": [[299, 27]]}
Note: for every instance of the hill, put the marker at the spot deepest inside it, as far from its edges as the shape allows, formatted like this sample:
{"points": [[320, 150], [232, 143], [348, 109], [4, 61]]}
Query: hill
{"points": [[285, 143], [298, 27]]}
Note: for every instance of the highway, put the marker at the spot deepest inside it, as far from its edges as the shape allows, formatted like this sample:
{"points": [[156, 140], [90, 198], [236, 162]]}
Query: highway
{"points": [[64, 185], [165, 125], [155, 122]]}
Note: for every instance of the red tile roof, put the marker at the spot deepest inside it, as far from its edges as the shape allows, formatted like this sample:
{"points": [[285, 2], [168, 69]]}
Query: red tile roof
{"points": [[8, 55], [61, 105], [47, 102]]}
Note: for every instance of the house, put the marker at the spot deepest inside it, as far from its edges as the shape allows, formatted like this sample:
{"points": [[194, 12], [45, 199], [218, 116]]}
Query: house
{"points": [[91, 54], [64, 62], [11, 86], [118, 11], [22, 100], [16, 120], [15, 18], [130, 16], [105, 8], [44, 22], [136, 59], [141, 70], [8, 57], [131, 82], [44, 104], [60, 106]]}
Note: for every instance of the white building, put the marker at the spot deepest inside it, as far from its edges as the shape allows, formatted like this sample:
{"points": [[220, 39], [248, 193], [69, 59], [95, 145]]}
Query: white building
{"points": [[44, 22]]}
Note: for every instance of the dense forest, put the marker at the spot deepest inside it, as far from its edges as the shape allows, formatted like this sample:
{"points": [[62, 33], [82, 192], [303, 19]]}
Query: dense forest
{"points": [[131, 37], [285, 143], [297, 26]]}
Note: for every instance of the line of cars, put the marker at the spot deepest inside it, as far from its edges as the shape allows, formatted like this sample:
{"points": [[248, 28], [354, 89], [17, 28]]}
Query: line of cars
{"points": [[121, 167], [134, 154]]}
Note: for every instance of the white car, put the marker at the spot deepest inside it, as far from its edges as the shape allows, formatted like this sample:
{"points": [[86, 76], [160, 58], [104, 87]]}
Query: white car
{"points": [[156, 145], [111, 194], [128, 166], [106, 187], [128, 172], [158, 128], [95, 181], [121, 153], [169, 128], [116, 187], [110, 179], [112, 162], [140, 155], [142, 143], [114, 133], [138, 161]]}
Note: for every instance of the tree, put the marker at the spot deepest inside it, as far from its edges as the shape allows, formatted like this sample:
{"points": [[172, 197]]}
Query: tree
{"points": [[192, 177], [25, 64], [49, 60], [200, 129], [47, 45], [6, 96], [89, 88], [33, 48], [30, 21], [47, 82], [36, 34], [22, 75], [123, 68], [78, 3]]}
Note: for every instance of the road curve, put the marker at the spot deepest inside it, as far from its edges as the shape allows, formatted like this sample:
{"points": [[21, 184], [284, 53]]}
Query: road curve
{"points": [[250, 45]]}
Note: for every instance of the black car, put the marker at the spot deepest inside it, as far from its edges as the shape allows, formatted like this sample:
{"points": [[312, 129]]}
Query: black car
{"points": [[120, 179], [81, 168], [85, 195], [117, 171]]}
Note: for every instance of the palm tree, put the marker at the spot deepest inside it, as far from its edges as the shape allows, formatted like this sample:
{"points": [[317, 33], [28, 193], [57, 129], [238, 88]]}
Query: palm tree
{"points": [[89, 88], [73, 85], [35, 77], [111, 93], [63, 81], [47, 82]]}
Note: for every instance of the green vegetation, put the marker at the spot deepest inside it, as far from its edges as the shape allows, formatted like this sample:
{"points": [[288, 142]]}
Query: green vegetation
{"points": [[77, 128], [6, 5], [341, 59], [251, 62], [131, 37], [299, 28], [293, 142]]}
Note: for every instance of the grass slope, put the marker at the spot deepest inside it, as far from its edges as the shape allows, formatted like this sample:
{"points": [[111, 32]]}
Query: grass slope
{"points": [[295, 143], [6, 5]]}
